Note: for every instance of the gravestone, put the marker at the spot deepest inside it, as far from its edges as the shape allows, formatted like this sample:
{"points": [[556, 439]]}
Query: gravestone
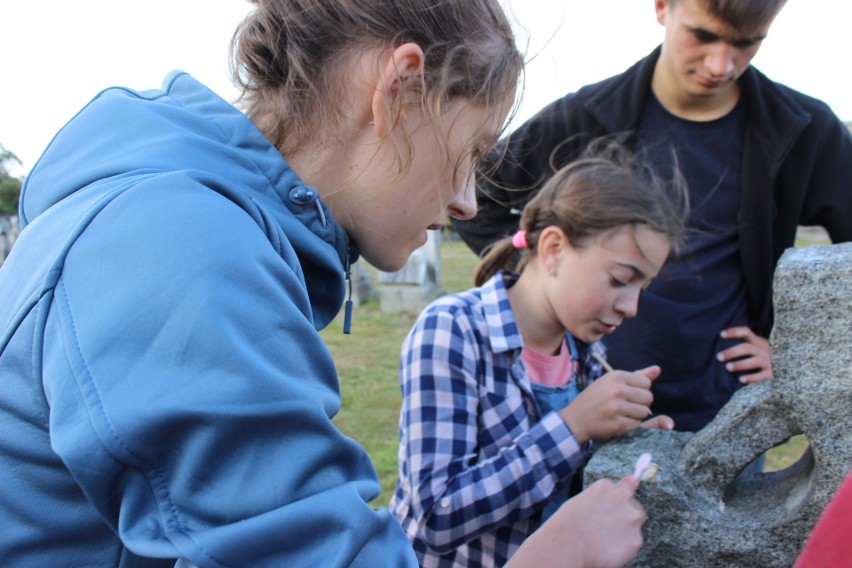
{"points": [[362, 284], [702, 509], [10, 228], [417, 283]]}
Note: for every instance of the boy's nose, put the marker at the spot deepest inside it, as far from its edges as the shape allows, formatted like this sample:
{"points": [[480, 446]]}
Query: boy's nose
{"points": [[720, 60]]}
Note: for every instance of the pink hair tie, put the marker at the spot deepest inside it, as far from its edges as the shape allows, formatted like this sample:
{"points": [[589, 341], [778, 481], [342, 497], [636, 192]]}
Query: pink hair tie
{"points": [[519, 240]]}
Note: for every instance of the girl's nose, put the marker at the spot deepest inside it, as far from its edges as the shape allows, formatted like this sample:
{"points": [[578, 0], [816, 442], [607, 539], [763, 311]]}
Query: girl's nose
{"points": [[627, 304], [463, 206]]}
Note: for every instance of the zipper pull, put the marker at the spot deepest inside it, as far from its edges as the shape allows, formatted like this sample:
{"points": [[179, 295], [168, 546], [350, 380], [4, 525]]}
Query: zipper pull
{"points": [[347, 310]]}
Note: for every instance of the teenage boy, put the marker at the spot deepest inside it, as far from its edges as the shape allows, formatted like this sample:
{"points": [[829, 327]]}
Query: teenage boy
{"points": [[760, 159]]}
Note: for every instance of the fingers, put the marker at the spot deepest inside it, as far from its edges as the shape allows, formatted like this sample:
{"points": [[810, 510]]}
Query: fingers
{"points": [[661, 422], [752, 354], [602, 526], [739, 332], [756, 377], [742, 350], [631, 389], [651, 372], [630, 483], [609, 407], [638, 411], [760, 363], [631, 396]]}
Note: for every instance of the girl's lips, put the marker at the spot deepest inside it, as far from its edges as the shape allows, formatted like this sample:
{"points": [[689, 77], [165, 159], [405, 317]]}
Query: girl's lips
{"points": [[608, 328]]}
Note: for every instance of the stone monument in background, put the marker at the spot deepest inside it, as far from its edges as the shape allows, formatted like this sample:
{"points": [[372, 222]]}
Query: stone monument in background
{"points": [[10, 228], [702, 512], [363, 290], [411, 288]]}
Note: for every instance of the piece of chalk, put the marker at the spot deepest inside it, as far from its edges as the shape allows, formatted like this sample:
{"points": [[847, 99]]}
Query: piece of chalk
{"points": [[643, 462]]}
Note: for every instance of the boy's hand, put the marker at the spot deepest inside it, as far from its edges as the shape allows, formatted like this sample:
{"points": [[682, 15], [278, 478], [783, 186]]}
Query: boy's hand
{"points": [[751, 354]]}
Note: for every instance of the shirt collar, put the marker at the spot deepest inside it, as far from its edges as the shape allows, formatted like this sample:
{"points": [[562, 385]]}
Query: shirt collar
{"points": [[502, 329]]}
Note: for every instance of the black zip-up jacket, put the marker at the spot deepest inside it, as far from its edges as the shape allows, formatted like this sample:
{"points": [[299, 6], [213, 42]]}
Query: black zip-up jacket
{"points": [[797, 167]]}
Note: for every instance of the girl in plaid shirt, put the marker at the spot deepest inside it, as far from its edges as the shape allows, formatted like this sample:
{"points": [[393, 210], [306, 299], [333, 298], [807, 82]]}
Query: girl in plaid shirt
{"points": [[503, 393]]}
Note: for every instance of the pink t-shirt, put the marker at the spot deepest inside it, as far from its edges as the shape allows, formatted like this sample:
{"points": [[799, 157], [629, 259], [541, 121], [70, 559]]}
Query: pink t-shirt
{"points": [[550, 370]]}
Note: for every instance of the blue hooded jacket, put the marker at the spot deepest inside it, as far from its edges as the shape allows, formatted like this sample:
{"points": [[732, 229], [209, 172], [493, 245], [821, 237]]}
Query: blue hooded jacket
{"points": [[164, 391]]}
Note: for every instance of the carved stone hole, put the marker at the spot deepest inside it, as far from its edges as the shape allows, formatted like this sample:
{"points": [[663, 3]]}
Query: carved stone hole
{"points": [[702, 509]]}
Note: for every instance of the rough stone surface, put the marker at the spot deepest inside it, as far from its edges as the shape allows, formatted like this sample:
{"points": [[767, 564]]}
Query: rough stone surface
{"points": [[702, 511]]}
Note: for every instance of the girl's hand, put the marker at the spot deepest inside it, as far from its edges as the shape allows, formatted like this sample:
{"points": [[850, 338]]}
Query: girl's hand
{"points": [[751, 354], [612, 405], [660, 422], [601, 528]]}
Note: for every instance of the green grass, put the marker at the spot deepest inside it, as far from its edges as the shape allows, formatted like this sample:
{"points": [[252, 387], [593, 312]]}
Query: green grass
{"points": [[368, 359], [785, 455]]}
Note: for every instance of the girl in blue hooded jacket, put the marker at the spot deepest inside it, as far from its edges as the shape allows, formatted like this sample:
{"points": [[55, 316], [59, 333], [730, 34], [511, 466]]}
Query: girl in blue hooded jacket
{"points": [[164, 391]]}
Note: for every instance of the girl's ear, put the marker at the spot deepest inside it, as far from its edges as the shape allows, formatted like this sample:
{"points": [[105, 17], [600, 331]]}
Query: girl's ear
{"points": [[404, 62], [552, 243]]}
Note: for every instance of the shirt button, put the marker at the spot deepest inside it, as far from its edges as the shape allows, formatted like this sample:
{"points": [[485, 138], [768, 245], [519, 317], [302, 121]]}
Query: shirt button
{"points": [[445, 502]]}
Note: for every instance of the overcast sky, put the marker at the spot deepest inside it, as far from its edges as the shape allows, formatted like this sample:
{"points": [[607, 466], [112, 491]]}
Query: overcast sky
{"points": [[57, 54]]}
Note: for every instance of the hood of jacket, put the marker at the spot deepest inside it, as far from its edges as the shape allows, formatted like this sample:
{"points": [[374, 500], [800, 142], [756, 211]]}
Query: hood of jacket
{"points": [[185, 128]]}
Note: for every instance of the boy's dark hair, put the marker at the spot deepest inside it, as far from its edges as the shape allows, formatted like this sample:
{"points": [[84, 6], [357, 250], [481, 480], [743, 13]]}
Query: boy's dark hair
{"points": [[744, 15]]}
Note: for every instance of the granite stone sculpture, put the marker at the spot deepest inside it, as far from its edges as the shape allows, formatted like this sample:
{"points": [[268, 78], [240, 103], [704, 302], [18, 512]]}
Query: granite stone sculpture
{"points": [[703, 511]]}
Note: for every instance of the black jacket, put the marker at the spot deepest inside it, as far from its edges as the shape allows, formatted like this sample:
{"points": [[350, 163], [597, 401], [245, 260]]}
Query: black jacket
{"points": [[797, 167]]}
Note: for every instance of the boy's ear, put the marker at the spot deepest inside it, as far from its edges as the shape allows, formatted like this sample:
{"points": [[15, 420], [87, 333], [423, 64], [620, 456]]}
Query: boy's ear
{"points": [[404, 62], [660, 7]]}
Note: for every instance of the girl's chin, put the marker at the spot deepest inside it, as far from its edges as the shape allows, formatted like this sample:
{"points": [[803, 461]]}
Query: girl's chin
{"points": [[385, 263], [595, 332], [587, 335], [591, 338], [387, 259]]}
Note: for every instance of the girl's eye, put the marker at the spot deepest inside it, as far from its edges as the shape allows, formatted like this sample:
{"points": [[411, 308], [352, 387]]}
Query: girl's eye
{"points": [[616, 283]]}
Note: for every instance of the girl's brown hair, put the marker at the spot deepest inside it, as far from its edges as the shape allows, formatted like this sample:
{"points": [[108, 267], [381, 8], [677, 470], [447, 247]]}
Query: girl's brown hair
{"points": [[289, 58], [606, 189]]}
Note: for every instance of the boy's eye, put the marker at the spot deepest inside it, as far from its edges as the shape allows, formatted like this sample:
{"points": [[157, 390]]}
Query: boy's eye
{"points": [[744, 43], [616, 283], [705, 37]]}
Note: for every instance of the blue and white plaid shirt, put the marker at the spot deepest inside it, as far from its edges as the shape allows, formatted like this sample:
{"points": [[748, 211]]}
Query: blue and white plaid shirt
{"points": [[477, 461]]}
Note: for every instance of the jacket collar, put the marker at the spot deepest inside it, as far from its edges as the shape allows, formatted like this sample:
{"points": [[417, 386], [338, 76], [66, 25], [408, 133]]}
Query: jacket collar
{"points": [[618, 105]]}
